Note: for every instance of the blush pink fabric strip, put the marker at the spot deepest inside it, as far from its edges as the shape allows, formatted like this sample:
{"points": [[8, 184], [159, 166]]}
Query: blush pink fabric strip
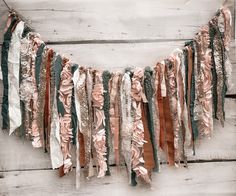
{"points": [[99, 137], [138, 96], [204, 82], [114, 114], [174, 104], [35, 129], [65, 93]]}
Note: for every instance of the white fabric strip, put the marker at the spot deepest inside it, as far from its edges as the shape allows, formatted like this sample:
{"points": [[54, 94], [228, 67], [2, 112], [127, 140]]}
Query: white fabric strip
{"points": [[13, 78], [77, 108]]}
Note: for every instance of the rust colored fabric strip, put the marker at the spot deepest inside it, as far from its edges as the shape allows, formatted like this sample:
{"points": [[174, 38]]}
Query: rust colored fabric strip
{"points": [[166, 124], [189, 80], [47, 101], [160, 108], [41, 96], [169, 134]]}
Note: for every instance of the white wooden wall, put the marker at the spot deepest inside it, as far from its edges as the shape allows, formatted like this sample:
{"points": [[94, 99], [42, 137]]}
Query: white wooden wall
{"points": [[113, 34]]}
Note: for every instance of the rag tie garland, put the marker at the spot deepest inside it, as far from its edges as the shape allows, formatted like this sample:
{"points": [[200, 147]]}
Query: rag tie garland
{"points": [[129, 118]]}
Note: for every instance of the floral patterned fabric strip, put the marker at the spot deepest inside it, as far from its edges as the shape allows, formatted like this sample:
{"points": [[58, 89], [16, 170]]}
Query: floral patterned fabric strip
{"points": [[65, 93], [28, 89], [99, 135], [204, 83], [35, 110], [137, 142]]}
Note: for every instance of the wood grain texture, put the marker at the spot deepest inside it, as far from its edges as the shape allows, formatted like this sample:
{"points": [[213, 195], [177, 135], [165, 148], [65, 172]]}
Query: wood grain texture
{"points": [[3, 19], [233, 61], [199, 179], [116, 57], [62, 20], [115, 34]]}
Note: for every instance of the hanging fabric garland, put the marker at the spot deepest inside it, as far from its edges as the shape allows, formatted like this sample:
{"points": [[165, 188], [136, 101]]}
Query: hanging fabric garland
{"points": [[138, 118]]}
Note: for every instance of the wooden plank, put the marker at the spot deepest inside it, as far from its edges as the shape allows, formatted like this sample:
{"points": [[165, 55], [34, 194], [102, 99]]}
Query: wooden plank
{"points": [[17, 153], [199, 179], [222, 145], [61, 20], [116, 57], [233, 61], [234, 20], [3, 19]]}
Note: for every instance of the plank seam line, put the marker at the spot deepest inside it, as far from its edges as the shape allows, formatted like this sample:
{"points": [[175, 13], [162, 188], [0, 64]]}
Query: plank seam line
{"points": [[113, 41], [162, 163]]}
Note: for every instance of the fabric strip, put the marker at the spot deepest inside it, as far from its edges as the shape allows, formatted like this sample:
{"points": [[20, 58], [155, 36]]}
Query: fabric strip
{"points": [[13, 78], [4, 60]]}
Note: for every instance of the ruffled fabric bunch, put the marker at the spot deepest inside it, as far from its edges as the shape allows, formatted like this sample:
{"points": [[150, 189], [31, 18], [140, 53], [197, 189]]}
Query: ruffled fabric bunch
{"points": [[137, 118]]}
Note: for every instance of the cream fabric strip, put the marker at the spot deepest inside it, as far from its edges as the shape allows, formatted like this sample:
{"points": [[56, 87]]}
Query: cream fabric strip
{"points": [[226, 29], [187, 135], [55, 140], [26, 89], [127, 121], [75, 79], [13, 78]]}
